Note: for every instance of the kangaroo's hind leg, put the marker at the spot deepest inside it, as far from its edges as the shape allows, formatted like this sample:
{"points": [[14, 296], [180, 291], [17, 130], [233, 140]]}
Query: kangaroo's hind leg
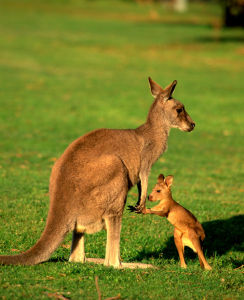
{"points": [[180, 247], [112, 256], [78, 248], [200, 260], [196, 243]]}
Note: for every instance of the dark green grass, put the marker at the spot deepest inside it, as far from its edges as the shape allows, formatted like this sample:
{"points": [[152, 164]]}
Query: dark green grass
{"points": [[67, 67]]}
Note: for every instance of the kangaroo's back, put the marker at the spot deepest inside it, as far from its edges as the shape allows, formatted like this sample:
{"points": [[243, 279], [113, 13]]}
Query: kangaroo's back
{"points": [[182, 218], [77, 160]]}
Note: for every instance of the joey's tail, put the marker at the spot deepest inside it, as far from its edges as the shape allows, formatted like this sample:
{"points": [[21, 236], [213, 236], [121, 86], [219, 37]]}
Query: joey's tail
{"points": [[200, 231], [52, 236]]}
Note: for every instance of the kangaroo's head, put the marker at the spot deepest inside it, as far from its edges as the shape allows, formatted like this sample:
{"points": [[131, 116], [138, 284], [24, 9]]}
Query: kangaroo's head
{"points": [[173, 111], [162, 189]]}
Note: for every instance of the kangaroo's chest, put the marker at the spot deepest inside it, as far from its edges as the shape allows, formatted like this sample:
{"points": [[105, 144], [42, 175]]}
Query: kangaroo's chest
{"points": [[152, 151]]}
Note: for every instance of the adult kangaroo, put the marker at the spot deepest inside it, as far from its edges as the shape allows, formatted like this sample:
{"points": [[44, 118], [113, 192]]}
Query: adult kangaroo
{"points": [[90, 181]]}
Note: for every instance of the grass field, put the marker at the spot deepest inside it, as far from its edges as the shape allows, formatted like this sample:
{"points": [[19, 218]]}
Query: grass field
{"points": [[67, 67]]}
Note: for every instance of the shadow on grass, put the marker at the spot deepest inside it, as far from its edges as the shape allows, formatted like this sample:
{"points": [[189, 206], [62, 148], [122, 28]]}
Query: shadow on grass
{"points": [[57, 259], [221, 237], [220, 39], [224, 235], [187, 23]]}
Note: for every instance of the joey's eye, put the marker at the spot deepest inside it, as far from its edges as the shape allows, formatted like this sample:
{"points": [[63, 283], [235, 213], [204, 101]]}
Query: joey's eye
{"points": [[158, 191], [179, 110]]}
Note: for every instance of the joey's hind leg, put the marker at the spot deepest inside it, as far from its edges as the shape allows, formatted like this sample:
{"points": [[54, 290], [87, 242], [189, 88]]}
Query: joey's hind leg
{"points": [[112, 256], [196, 243], [200, 260], [78, 248], [180, 247]]}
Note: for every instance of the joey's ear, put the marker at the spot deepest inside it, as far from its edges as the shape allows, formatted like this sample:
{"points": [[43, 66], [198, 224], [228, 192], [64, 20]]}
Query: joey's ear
{"points": [[160, 178], [169, 180], [155, 88], [168, 91]]}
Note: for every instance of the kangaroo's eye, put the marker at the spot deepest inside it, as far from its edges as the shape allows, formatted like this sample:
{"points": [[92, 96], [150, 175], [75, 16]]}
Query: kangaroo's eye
{"points": [[158, 191], [179, 110]]}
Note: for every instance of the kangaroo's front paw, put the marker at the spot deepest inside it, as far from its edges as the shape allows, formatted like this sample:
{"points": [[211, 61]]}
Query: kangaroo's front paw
{"points": [[134, 209], [140, 209], [131, 208]]}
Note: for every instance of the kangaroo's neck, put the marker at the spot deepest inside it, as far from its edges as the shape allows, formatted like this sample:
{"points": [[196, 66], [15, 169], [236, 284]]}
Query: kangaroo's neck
{"points": [[155, 130]]}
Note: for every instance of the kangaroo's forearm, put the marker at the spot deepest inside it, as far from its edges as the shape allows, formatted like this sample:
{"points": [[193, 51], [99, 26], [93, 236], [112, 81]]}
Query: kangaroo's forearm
{"points": [[149, 211], [142, 190], [146, 211], [160, 213], [139, 193]]}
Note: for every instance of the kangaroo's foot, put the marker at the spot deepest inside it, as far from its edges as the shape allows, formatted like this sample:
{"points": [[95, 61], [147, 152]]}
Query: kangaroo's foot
{"points": [[207, 267], [183, 265], [78, 248], [77, 259]]}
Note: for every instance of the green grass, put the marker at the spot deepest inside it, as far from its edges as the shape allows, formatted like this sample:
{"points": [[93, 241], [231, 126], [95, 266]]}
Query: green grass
{"points": [[67, 67]]}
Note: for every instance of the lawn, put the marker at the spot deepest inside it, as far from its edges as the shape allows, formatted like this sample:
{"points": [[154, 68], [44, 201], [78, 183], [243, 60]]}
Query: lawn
{"points": [[68, 67]]}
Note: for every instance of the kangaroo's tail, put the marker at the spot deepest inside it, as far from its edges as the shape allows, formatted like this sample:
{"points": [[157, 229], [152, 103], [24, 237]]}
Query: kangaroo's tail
{"points": [[200, 231], [52, 236]]}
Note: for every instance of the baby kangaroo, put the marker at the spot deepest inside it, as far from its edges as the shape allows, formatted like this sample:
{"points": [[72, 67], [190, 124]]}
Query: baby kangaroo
{"points": [[187, 230]]}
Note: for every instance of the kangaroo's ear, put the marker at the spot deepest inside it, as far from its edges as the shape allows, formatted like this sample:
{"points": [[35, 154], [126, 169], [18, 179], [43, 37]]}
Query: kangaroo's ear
{"points": [[168, 91], [160, 178], [169, 180], [155, 88]]}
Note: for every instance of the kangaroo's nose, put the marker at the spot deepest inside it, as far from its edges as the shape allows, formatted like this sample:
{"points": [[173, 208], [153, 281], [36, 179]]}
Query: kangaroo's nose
{"points": [[193, 125]]}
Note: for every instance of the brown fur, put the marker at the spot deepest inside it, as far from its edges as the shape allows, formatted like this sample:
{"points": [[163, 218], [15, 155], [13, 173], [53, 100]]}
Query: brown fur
{"points": [[90, 181], [188, 231]]}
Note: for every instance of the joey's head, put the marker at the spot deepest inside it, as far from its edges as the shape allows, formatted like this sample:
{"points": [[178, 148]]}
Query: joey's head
{"points": [[162, 189], [171, 110]]}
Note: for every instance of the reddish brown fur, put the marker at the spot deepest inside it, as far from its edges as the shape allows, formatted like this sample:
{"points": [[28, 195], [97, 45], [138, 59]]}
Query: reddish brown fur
{"points": [[90, 181], [188, 231]]}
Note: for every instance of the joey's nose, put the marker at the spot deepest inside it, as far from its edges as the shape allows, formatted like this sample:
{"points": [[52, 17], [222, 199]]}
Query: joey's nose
{"points": [[192, 126]]}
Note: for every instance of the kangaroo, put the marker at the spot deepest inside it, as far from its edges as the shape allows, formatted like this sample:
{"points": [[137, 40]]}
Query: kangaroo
{"points": [[187, 230], [90, 181]]}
